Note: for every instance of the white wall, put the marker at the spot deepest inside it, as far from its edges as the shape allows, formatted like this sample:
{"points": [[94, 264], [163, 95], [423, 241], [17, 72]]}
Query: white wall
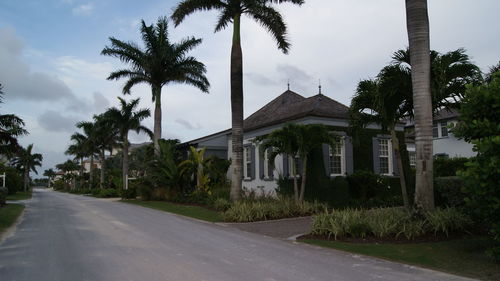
{"points": [[453, 147]]}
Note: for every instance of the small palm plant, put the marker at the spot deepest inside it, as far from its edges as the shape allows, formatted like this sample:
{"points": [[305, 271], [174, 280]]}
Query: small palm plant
{"points": [[195, 167], [27, 161]]}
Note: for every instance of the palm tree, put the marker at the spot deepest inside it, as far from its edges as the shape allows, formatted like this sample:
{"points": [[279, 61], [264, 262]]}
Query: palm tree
{"points": [[89, 144], [106, 137], [79, 151], [230, 11], [68, 168], [159, 64], [11, 127], [125, 119], [380, 101], [195, 166], [297, 140], [50, 175], [27, 161]]}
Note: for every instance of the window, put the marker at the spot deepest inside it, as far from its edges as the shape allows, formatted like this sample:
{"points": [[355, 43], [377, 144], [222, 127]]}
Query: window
{"points": [[444, 129], [435, 130], [247, 162], [385, 156], [413, 158], [266, 164], [337, 166]]}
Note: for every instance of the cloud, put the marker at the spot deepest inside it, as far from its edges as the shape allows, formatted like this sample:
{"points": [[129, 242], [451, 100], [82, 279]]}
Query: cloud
{"points": [[260, 79], [186, 124], [83, 10], [101, 103], [54, 121], [299, 79], [21, 82]]}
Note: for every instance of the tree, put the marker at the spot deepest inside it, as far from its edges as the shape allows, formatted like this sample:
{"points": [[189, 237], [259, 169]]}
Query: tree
{"points": [[68, 168], [230, 11], [159, 64], [50, 174], [106, 136], [379, 101], [297, 140], [195, 166], [88, 140], [79, 150], [11, 127], [417, 21], [27, 161], [125, 119], [479, 115]]}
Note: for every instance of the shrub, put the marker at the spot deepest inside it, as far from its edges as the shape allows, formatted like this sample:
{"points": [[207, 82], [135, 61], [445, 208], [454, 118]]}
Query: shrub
{"points": [[221, 204], [3, 195], [448, 191], [108, 193], [268, 209], [130, 193], [448, 167], [388, 223], [13, 179]]}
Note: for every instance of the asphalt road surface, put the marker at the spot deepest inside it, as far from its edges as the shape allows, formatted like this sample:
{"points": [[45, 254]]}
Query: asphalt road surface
{"points": [[69, 238]]}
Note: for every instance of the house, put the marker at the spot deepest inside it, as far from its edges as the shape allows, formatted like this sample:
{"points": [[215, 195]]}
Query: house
{"points": [[444, 143], [373, 151]]}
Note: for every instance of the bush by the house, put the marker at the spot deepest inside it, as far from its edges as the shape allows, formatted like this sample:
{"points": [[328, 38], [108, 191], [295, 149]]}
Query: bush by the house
{"points": [[449, 191], [3, 195], [388, 223], [130, 193], [13, 178], [448, 167], [268, 209]]}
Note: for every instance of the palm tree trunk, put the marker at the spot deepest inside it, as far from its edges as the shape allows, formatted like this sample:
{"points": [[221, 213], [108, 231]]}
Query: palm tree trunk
{"points": [[418, 35], [125, 163], [236, 111], [101, 184], [91, 171], [157, 125], [26, 179], [295, 183], [402, 176], [303, 180], [81, 172]]}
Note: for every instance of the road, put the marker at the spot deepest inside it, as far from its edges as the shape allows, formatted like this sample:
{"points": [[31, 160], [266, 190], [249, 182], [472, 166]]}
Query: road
{"points": [[70, 238]]}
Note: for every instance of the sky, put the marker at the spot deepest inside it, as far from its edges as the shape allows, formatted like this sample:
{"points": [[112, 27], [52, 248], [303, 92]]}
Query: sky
{"points": [[53, 75]]}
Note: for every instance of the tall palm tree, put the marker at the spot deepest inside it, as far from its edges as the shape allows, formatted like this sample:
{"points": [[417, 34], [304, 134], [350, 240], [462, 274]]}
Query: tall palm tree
{"points": [[50, 174], [27, 161], [230, 11], [417, 22], [125, 119], [380, 101], [297, 140], [106, 137], [79, 151], [11, 127], [68, 168], [88, 138], [159, 64]]}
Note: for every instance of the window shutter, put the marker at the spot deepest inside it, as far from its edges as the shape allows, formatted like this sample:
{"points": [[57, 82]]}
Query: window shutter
{"points": [[252, 157], [376, 159], [349, 159], [326, 159], [395, 167], [286, 173], [261, 162]]}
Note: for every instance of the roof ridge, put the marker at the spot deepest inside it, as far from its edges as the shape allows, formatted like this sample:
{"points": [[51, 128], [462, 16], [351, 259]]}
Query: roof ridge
{"points": [[267, 105], [322, 95]]}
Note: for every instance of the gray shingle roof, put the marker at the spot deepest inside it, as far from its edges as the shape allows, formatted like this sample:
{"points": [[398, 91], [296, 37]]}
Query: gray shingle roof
{"points": [[291, 106]]}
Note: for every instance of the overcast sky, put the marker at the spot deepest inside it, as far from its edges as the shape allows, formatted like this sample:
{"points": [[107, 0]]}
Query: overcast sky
{"points": [[53, 74]]}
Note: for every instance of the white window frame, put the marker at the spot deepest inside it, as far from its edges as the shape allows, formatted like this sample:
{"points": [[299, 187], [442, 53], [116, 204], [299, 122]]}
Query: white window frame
{"points": [[342, 159], [390, 168], [412, 155], [246, 161], [435, 125], [290, 159], [441, 128]]}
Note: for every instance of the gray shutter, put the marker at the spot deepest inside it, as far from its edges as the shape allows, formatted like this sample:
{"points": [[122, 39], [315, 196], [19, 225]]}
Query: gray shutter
{"points": [[326, 159], [349, 159], [261, 163], [252, 157], [376, 159], [286, 173], [395, 167]]}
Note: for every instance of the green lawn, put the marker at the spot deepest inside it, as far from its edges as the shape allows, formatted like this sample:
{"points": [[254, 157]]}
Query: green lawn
{"points": [[19, 196], [196, 212], [461, 257], [8, 215]]}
